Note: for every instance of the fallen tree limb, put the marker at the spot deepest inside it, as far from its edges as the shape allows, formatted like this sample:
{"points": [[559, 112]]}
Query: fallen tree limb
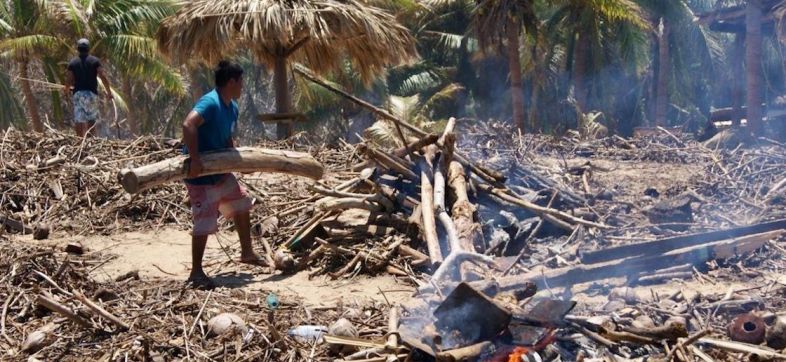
{"points": [[427, 206], [429, 139], [491, 176], [739, 347], [682, 241], [101, 311], [545, 212], [392, 162], [344, 203], [243, 159], [629, 267], [62, 310]]}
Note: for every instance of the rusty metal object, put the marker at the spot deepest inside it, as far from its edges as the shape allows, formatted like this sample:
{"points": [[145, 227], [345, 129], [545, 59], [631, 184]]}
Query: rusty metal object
{"points": [[748, 328]]}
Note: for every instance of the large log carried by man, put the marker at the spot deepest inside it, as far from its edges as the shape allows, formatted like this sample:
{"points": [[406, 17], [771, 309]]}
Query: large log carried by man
{"points": [[242, 159]]}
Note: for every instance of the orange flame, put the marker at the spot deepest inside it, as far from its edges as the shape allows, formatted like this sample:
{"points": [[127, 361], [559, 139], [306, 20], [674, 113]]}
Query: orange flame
{"points": [[515, 355]]}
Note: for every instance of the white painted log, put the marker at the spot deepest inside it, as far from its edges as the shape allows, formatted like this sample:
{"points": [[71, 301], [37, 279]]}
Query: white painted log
{"points": [[242, 159]]}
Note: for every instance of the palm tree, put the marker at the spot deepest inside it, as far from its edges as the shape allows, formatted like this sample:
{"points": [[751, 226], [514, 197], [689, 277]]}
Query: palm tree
{"points": [[24, 41], [591, 25], [318, 34], [753, 69], [498, 24], [681, 44]]}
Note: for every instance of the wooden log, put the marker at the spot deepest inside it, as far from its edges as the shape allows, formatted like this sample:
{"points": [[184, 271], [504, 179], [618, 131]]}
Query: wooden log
{"points": [[243, 159], [469, 353], [739, 347], [402, 151], [392, 162], [682, 241], [427, 206], [462, 211], [344, 203], [62, 310], [391, 344], [488, 175], [101, 311], [627, 267], [556, 217], [440, 173]]}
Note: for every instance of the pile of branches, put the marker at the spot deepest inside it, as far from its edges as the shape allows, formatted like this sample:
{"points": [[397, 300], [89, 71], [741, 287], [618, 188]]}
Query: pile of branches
{"points": [[69, 184], [52, 308]]}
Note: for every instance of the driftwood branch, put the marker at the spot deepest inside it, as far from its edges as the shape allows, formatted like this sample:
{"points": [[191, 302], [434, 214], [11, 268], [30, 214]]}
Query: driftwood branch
{"points": [[243, 159], [62, 310], [427, 205]]}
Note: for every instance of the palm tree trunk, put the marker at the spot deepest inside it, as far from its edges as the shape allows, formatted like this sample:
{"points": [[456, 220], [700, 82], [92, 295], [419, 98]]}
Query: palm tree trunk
{"points": [[283, 129], [514, 63], [131, 117], [662, 94], [737, 87], [581, 58], [27, 90], [753, 15]]}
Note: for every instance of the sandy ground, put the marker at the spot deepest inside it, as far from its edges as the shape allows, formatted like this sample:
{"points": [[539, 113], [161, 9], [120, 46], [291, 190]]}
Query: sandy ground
{"points": [[166, 253]]}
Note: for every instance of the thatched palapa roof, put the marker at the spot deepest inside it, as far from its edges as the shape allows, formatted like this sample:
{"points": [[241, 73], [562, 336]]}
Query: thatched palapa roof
{"points": [[319, 34]]}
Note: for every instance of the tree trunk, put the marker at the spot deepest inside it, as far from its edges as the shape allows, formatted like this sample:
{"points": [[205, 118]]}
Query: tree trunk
{"points": [[27, 90], [737, 90], [514, 63], [753, 15], [283, 129], [662, 94], [131, 118], [581, 59]]}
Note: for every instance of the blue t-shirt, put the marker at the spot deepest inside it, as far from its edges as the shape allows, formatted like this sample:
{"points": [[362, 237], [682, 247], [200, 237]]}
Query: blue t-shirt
{"points": [[216, 131]]}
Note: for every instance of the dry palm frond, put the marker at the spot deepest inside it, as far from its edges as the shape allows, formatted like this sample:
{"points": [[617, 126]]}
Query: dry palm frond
{"points": [[319, 34]]}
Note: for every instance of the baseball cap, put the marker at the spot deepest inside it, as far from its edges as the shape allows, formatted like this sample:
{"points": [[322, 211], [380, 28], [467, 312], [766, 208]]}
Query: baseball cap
{"points": [[83, 44]]}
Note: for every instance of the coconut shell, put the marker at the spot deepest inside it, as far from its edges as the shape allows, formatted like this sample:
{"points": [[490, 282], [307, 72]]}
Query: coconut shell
{"points": [[342, 328], [225, 324], [283, 261], [35, 341]]}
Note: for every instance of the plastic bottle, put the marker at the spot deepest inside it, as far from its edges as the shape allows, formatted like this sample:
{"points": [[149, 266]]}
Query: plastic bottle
{"points": [[308, 332], [272, 301]]}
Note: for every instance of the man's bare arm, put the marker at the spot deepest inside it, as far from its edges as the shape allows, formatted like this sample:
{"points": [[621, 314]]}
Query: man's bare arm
{"points": [[105, 81], [191, 140]]}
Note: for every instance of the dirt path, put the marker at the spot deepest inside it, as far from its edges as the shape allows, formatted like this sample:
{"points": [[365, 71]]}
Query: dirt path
{"points": [[166, 254]]}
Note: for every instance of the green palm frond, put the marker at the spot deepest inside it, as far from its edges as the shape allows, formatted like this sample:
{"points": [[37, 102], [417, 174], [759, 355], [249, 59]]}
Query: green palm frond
{"points": [[403, 107], [621, 11], [129, 46], [419, 82], [446, 40], [65, 13], [29, 44], [5, 19], [157, 72]]}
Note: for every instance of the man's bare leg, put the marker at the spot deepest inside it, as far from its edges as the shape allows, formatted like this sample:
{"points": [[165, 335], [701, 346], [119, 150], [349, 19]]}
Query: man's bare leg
{"points": [[78, 129], [90, 128], [198, 276], [243, 226]]}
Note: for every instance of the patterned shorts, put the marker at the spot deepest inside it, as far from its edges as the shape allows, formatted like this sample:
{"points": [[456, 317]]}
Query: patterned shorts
{"points": [[207, 201], [85, 107]]}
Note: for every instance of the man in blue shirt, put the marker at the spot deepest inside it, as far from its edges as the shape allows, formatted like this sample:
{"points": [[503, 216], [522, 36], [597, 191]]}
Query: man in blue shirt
{"points": [[209, 127]]}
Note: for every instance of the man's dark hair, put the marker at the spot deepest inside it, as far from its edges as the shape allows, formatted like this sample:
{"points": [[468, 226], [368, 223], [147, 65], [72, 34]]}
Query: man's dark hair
{"points": [[225, 71]]}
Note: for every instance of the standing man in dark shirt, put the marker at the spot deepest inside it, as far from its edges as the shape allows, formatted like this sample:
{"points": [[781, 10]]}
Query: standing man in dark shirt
{"points": [[82, 81]]}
